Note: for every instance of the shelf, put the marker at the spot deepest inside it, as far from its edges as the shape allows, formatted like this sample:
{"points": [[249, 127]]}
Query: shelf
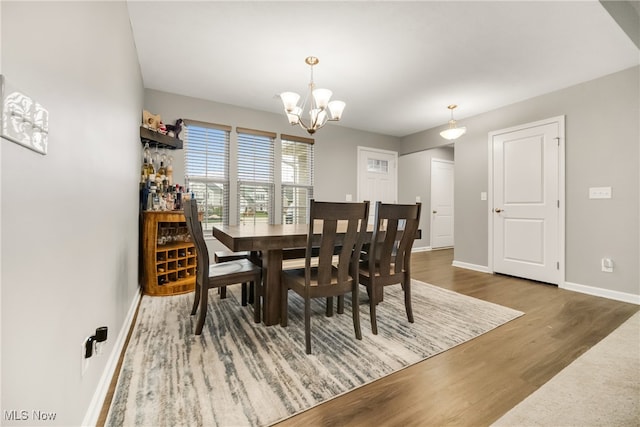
{"points": [[159, 140], [174, 245]]}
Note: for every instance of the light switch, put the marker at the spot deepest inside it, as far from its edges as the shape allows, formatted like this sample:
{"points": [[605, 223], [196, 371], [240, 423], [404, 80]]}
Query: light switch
{"points": [[483, 195], [600, 192]]}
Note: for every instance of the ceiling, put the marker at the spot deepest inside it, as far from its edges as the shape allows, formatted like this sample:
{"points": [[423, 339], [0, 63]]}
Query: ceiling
{"points": [[396, 64]]}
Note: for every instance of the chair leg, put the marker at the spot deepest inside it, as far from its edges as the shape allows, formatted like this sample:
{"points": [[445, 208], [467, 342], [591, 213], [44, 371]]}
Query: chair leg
{"points": [[243, 298], [329, 306], [341, 304], [203, 309], [372, 313], [284, 309], [355, 308], [223, 292], [257, 314], [407, 300], [252, 292], [307, 324], [196, 300]]}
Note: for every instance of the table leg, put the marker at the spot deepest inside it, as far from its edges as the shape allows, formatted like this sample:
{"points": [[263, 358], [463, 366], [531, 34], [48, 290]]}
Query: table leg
{"points": [[272, 269]]}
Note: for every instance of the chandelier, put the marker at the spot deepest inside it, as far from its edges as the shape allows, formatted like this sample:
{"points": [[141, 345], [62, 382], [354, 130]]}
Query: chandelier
{"points": [[453, 132], [321, 110]]}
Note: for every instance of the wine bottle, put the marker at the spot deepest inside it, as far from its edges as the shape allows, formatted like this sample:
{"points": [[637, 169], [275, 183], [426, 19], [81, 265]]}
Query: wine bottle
{"points": [[144, 173], [169, 170], [162, 171]]}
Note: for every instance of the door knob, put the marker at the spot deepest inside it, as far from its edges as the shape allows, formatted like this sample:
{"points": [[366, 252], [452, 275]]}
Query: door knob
{"points": [[498, 210], [435, 212]]}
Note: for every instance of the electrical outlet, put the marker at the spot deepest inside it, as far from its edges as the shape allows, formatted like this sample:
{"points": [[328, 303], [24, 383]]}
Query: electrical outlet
{"points": [[98, 348], [90, 346], [607, 265], [84, 360]]}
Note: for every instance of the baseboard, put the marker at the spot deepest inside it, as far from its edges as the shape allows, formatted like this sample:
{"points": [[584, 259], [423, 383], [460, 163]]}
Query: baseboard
{"points": [[468, 266], [95, 407], [599, 292], [421, 249]]}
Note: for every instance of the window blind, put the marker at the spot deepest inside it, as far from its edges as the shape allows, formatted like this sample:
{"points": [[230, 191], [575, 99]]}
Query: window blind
{"points": [[255, 176], [297, 178], [206, 166]]}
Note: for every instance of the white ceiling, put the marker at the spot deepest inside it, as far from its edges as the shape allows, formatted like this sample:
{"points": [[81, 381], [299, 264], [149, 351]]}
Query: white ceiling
{"points": [[396, 64]]}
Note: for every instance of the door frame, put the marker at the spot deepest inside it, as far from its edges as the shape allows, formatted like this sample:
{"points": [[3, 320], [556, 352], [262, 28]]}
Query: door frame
{"points": [[358, 171], [560, 121], [452, 162]]}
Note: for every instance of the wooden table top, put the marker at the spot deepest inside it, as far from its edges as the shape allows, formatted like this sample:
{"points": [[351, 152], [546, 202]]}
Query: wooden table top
{"points": [[260, 237]]}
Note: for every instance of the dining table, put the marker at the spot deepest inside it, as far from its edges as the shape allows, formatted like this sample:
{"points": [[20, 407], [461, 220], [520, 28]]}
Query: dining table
{"points": [[275, 242], [271, 241]]}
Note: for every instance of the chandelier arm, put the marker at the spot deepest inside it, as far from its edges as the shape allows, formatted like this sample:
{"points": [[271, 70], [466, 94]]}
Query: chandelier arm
{"points": [[301, 123], [314, 123]]}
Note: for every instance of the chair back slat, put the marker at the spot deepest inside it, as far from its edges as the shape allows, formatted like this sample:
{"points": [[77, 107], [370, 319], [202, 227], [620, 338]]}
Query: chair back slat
{"points": [[325, 255], [341, 233], [195, 231], [405, 245], [393, 236]]}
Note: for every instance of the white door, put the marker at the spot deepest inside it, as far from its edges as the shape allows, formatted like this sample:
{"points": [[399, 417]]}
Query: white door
{"points": [[526, 201], [441, 203], [377, 177]]}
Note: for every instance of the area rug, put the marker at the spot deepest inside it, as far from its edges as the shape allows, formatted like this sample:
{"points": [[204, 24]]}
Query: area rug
{"points": [[238, 373]]}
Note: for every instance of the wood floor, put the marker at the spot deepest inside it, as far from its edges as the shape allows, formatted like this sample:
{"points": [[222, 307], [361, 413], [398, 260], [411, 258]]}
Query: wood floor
{"points": [[477, 382]]}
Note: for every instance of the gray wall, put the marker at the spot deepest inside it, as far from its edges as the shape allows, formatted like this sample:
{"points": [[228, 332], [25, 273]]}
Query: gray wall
{"points": [[335, 146], [602, 149], [414, 177], [70, 218]]}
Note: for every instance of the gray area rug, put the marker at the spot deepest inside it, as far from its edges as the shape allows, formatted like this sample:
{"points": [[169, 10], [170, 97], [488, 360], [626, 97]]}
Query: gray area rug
{"points": [[239, 373], [600, 388]]}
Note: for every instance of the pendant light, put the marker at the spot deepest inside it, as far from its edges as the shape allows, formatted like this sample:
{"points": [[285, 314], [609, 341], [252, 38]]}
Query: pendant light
{"points": [[453, 132]]}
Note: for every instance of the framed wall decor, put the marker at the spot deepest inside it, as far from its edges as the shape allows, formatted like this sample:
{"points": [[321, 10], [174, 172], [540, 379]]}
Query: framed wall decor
{"points": [[23, 120]]}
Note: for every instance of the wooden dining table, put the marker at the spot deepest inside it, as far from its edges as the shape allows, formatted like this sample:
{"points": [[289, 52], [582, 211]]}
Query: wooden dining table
{"points": [[272, 241]]}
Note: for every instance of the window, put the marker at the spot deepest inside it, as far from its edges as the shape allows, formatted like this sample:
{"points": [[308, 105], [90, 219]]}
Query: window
{"points": [[377, 166], [206, 169], [297, 178], [210, 163], [255, 176]]}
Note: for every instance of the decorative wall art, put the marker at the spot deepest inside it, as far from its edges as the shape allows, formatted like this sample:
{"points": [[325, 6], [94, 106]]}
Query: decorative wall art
{"points": [[23, 120]]}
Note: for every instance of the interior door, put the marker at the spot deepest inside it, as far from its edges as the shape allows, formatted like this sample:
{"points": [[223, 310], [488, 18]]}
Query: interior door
{"points": [[377, 177], [441, 203], [526, 237]]}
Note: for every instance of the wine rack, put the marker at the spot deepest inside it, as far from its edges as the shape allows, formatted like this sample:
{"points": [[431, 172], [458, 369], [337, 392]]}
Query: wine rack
{"points": [[169, 256]]}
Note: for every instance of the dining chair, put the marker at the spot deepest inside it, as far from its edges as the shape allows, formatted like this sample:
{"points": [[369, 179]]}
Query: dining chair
{"points": [[387, 260], [219, 275], [224, 256], [332, 225]]}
